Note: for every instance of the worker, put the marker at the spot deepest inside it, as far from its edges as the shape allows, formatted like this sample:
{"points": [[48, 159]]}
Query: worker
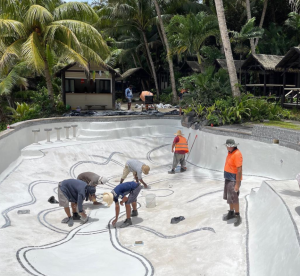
{"points": [[137, 168], [181, 148], [93, 179], [74, 191], [120, 192]]}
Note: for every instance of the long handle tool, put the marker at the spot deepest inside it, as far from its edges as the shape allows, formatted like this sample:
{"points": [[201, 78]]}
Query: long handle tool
{"points": [[192, 147]]}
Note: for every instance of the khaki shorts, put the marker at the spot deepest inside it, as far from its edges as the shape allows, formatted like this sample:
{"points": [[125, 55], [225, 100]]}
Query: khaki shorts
{"points": [[230, 195], [126, 171], [63, 201]]}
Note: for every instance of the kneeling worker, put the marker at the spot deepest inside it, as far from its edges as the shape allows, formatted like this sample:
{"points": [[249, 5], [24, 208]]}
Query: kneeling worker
{"points": [[137, 168], [181, 148], [74, 191], [92, 179], [120, 192]]}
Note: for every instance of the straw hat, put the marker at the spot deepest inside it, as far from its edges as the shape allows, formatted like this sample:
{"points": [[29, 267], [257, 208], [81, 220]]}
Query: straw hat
{"points": [[108, 198], [145, 169], [179, 133]]}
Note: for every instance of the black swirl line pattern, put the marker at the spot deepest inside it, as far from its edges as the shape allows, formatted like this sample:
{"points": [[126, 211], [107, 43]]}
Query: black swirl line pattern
{"points": [[172, 236], [108, 159], [43, 220], [210, 193], [32, 201], [157, 148]]}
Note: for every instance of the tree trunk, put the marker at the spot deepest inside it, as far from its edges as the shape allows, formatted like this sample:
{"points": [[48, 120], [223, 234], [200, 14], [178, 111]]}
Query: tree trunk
{"points": [[262, 18], [227, 48], [161, 36], [169, 57], [248, 8], [151, 63], [49, 82], [134, 61]]}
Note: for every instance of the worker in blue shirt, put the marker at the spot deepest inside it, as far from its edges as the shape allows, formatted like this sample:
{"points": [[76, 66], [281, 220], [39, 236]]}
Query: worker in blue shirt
{"points": [[120, 192], [128, 95]]}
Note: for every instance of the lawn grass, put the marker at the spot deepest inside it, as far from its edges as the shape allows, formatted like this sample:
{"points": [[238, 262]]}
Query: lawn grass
{"points": [[282, 124]]}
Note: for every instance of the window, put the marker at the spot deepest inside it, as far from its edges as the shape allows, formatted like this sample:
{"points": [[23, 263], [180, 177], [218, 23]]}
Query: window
{"points": [[69, 85], [103, 86]]}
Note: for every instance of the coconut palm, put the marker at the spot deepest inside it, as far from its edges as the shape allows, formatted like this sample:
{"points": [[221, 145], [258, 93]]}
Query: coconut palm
{"points": [[41, 32], [166, 43], [187, 34], [133, 14], [293, 22], [227, 48]]}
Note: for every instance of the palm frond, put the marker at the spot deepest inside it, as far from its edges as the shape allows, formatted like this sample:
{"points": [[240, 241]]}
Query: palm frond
{"points": [[86, 34], [11, 54], [33, 53], [37, 17], [76, 11], [12, 28]]}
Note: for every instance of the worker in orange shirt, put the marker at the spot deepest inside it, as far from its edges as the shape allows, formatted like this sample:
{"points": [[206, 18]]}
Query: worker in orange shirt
{"points": [[181, 148], [233, 178]]}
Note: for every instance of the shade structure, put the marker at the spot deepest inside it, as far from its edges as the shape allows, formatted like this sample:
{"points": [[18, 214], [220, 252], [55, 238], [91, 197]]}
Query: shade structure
{"points": [[145, 93]]}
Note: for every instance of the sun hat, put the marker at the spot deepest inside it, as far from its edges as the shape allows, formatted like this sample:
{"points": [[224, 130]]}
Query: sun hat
{"points": [[179, 133], [102, 180], [108, 198], [231, 143], [145, 169]]}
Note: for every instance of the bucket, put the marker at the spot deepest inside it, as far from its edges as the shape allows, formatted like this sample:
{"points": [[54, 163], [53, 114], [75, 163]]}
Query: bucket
{"points": [[150, 200]]}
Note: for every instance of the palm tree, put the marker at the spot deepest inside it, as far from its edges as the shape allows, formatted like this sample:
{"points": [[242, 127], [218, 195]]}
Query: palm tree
{"points": [[227, 48], [248, 32], [262, 18], [295, 4], [293, 22], [249, 17], [133, 14], [169, 56], [42, 32], [187, 34]]}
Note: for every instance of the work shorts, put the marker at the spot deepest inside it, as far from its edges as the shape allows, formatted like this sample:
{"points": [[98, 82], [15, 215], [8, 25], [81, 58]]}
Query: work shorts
{"points": [[129, 100], [63, 201], [230, 195], [126, 171], [133, 195]]}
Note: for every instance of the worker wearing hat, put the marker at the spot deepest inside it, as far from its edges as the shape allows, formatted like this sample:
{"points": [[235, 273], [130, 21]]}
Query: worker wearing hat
{"points": [[233, 178], [181, 147], [74, 191], [120, 192], [92, 179], [137, 168]]}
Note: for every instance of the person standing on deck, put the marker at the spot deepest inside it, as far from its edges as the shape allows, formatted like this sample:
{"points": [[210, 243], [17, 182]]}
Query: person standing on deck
{"points": [[181, 148], [128, 95], [233, 178]]}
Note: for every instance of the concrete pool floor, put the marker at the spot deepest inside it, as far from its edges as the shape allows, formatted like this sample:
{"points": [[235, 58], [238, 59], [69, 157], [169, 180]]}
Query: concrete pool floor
{"points": [[202, 244]]}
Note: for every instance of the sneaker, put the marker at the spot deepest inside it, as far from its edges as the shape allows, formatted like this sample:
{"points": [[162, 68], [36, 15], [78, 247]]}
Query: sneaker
{"points": [[229, 216], [238, 220], [65, 220], [126, 223], [70, 222], [182, 169], [134, 213], [171, 172], [76, 216]]}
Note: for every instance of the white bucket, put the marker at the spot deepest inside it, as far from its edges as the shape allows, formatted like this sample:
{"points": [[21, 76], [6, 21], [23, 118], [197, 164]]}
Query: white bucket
{"points": [[150, 200]]}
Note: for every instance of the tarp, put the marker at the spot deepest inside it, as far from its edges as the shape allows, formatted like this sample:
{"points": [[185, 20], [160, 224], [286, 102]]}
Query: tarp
{"points": [[145, 93]]}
